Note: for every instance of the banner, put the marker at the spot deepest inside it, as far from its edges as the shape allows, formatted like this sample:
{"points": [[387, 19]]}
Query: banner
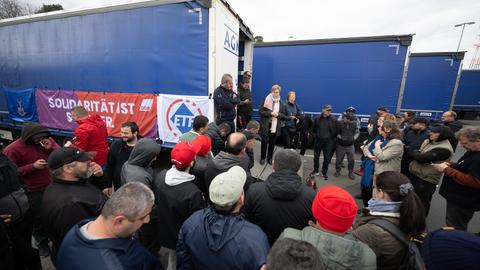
{"points": [[21, 104], [175, 114], [54, 109]]}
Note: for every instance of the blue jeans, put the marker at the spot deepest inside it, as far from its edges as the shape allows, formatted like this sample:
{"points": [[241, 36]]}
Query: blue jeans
{"points": [[328, 147]]}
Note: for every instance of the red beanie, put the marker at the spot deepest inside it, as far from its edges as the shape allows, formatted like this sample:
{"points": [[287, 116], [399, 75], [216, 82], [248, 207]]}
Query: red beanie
{"points": [[203, 144], [334, 209]]}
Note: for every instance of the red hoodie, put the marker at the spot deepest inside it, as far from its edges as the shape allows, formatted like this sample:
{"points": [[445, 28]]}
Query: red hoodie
{"points": [[91, 136]]}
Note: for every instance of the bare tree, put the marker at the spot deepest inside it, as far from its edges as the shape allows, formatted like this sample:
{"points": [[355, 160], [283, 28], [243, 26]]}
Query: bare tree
{"points": [[13, 8]]}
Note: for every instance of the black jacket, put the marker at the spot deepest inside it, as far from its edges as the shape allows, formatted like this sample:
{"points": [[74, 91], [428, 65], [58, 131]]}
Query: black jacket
{"points": [[266, 119], [412, 140], [218, 144], [175, 204], [463, 196], [118, 154], [201, 165], [281, 201], [244, 109], [222, 163], [64, 204], [347, 133], [455, 126], [225, 101], [323, 125]]}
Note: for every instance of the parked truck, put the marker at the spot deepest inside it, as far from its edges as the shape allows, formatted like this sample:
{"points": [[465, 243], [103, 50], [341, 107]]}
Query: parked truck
{"points": [[364, 72], [112, 55], [432, 82], [467, 100]]}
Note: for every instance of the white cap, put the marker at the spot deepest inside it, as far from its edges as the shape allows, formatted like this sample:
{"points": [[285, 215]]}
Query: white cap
{"points": [[226, 188]]}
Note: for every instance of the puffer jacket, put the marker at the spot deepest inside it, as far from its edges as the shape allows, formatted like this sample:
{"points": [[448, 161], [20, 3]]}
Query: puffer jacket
{"points": [[388, 249], [281, 201], [389, 157], [209, 240], [137, 168], [91, 136], [338, 252]]}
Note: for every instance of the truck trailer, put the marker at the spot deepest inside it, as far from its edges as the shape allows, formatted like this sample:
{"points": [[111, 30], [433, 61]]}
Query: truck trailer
{"points": [[467, 100], [111, 55], [364, 72]]}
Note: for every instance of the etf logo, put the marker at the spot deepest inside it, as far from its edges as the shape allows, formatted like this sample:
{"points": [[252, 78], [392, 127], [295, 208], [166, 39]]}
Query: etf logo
{"points": [[180, 115]]}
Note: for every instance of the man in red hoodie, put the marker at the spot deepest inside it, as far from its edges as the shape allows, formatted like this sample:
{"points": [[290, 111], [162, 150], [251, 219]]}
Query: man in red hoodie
{"points": [[30, 153], [91, 134]]}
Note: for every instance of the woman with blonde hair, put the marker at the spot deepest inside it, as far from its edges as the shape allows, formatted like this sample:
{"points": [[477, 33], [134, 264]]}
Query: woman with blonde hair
{"points": [[272, 113]]}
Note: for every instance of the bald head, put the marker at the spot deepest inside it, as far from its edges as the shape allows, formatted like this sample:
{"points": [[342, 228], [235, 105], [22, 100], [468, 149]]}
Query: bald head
{"points": [[236, 143], [449, 116]]}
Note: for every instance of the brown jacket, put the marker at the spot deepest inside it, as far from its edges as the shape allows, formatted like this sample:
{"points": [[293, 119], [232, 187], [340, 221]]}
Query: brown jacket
{"points": [[388, 249]]}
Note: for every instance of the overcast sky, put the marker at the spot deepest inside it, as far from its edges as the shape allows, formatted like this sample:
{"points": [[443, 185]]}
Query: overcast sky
{"points": [[431, 20]]}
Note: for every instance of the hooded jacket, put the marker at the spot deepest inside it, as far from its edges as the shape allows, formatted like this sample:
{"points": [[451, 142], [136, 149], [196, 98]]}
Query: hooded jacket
{"points": [[91, 136], [222, 163], [176, 198], [23, 152], [209, 240], [78, 253], [218, 144], [137, 168], [281, 201]]}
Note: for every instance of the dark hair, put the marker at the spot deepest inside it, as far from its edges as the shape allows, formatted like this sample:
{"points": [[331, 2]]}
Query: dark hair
{"points": [[421, 120], [410, 113], [287, 159], [412, 212], [236, 142], [225, 126], [290, 254], [200, 121], [253, 124], [394, 132], [132, 125], [383, 109]]}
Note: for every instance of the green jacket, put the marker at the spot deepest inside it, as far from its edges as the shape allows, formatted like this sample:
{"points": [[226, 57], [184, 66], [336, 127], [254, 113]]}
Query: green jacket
{"points": [[337, 252], [189, 136]]}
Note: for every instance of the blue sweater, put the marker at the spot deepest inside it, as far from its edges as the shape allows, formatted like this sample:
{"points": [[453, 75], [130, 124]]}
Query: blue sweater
{"points": [[78, 253]]}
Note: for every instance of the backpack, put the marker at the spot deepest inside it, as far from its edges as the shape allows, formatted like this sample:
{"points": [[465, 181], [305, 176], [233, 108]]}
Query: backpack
{"points": [[413, 259]]}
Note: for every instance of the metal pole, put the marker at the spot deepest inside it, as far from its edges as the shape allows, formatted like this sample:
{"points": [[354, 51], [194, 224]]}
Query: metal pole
{"points": [[461, 35]]}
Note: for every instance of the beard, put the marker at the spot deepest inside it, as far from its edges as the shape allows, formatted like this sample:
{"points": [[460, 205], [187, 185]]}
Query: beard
{"points": [[128, 139]]}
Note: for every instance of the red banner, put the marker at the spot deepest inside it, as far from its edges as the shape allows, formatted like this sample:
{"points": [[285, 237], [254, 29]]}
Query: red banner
{"points": [[114, 108]]}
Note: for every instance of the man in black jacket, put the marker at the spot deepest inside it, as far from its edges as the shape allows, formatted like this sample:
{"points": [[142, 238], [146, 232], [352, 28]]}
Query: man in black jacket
{"points": [[119, 152], [449, 119], [70, 198], [282, 200], [218, 134], [245, 108], [225, 101], [347, 134], [233, 155], [461, 181], [325, 131], [176, 197], [413, 137]]}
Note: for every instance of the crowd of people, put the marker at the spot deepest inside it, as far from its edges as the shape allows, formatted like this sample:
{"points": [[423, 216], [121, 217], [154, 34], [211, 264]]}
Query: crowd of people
{"points": [[87, 205]]}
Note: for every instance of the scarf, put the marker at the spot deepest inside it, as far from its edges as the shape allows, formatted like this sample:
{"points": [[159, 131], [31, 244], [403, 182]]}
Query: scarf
{"points": [[375, 205], [272, 104], [368, 165]]}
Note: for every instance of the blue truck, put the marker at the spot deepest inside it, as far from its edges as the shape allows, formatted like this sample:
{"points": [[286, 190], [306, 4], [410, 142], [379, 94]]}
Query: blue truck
{"points": [[432, 82], [160, 46], [364, 72], [467, 100]]}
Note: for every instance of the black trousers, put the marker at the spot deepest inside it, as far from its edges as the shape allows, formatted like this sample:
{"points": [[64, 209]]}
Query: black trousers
{"points": [[268, 143], [424, 190], [289, 138], [328, 147], [458, 217]]}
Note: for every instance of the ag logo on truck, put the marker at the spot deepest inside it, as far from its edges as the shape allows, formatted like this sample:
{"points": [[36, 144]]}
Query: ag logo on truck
{"points": [[230, 42]]}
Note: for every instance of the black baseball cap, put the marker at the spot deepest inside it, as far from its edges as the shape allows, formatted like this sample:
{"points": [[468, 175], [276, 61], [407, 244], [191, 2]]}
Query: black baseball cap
{"points": [[66, 155]]}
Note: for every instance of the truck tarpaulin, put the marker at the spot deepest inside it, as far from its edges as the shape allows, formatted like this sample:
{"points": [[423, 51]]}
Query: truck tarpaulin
{"points": [[54, 109]]}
